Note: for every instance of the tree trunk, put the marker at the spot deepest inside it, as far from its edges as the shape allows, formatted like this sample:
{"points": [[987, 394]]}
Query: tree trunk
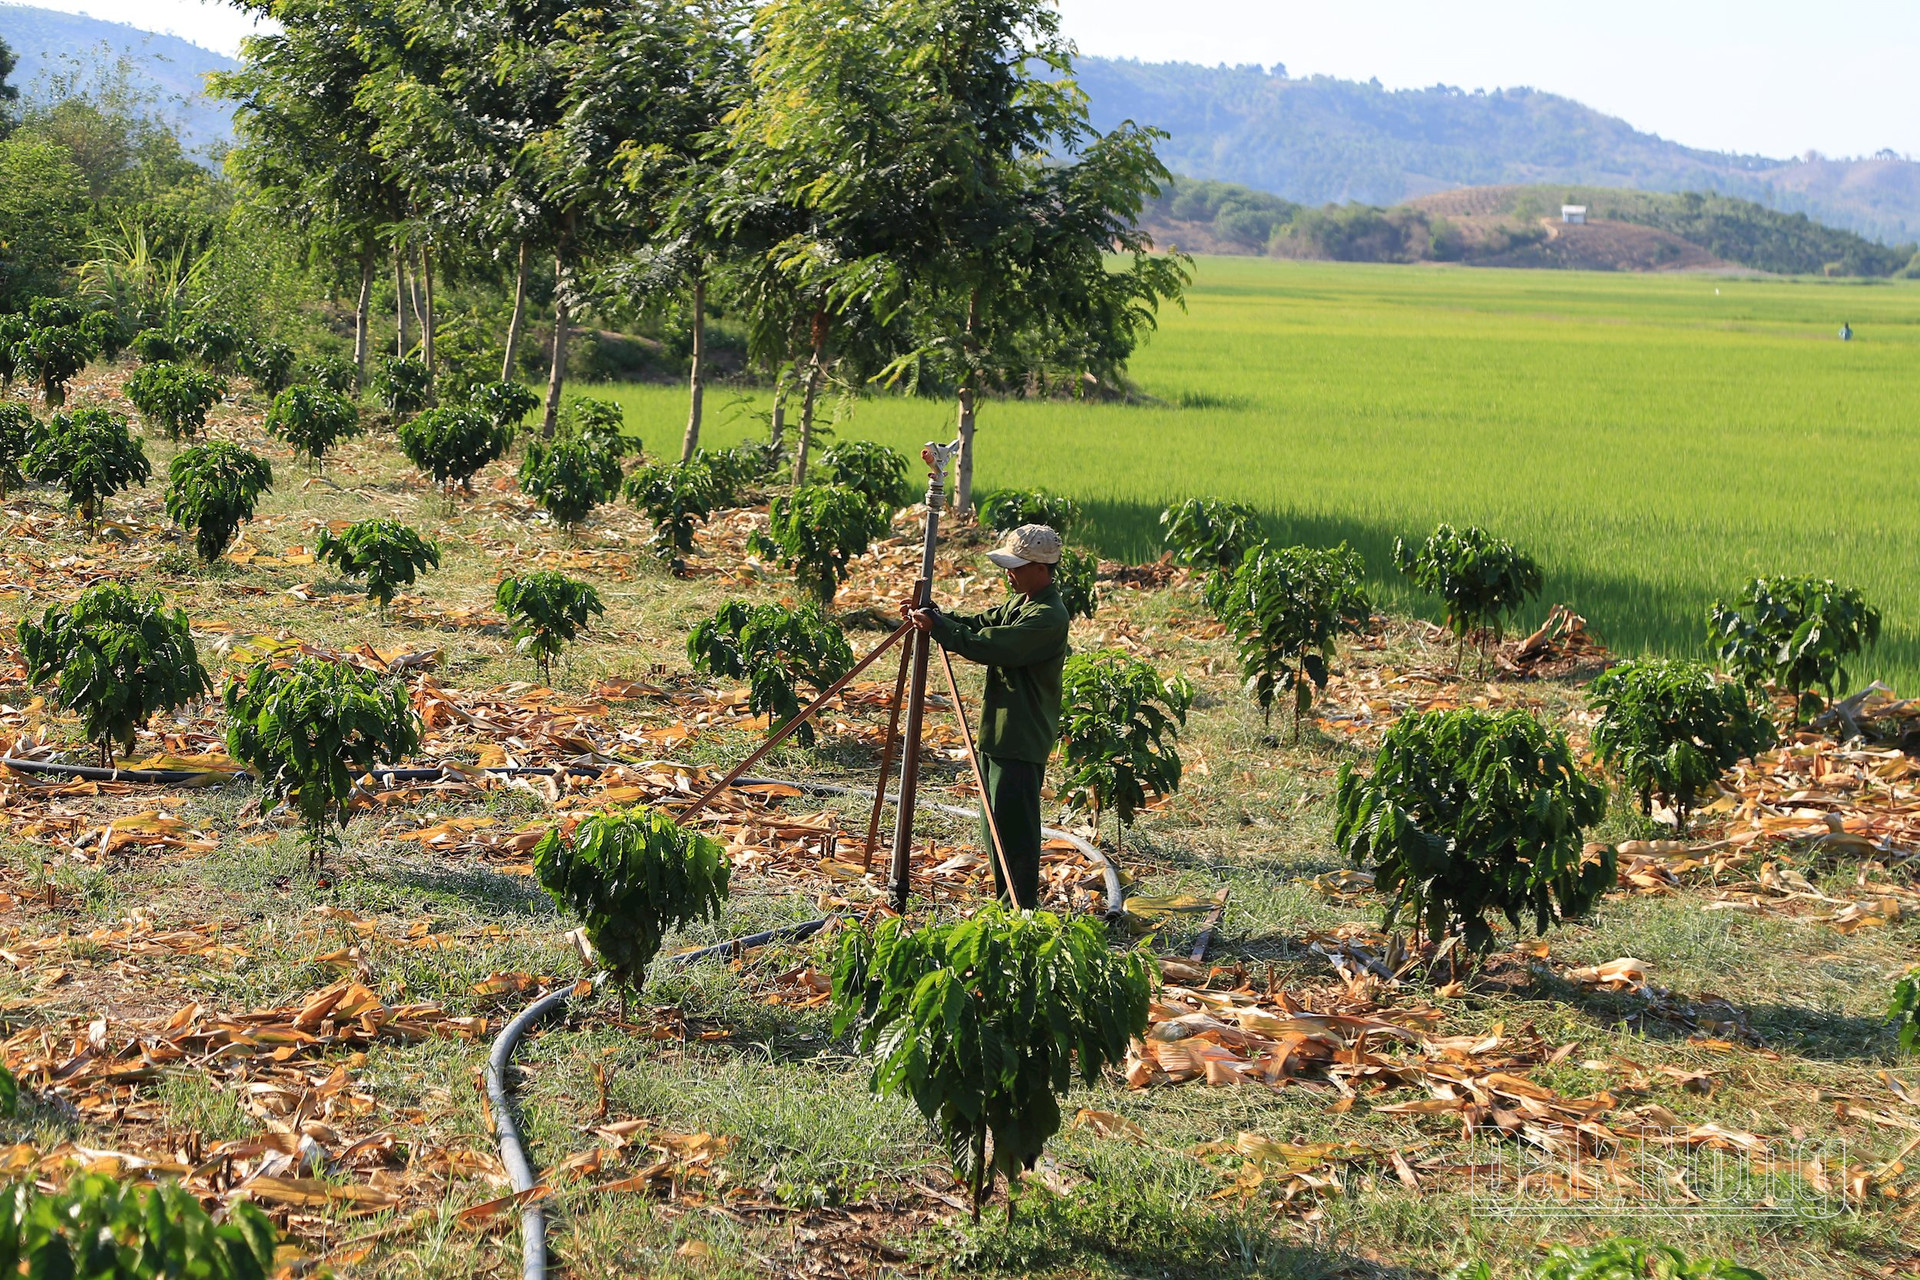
{"points": [[426, 322], [557, 375], [363, 316], [519, 315], [399, 304], [963, 483], [777, 420], [697, 380], [413, 298], [814, 371]]}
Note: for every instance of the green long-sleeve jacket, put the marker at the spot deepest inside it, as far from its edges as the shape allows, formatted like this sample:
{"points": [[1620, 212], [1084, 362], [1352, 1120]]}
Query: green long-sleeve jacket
{"points": [[1023, 645]]}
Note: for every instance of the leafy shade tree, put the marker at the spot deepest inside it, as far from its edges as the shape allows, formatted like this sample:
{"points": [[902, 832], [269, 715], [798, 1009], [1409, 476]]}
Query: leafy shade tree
{"points": [[306, 134], [772, 648], [91, 455], [676, 497], [1078, 577], [309, 728], [1671, 729], [1010, 508], [175, 397], [569, 476], [1120, 726], [548, 610], [17, 430], [815, 531], [1287, 608], [313, 419], [452, 444], [1480, 578], [629, 877], [870, 469], [1206, 533], [984, 1022], [1796, 633], [119, 657], [1469, 814], [154, 1230], [388, 554], [403, 385], [44, 208], [212, 489]]}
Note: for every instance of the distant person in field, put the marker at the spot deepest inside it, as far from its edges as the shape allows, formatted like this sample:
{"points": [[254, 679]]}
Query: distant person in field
{"points": [[1846, 331], [1023, 645]]}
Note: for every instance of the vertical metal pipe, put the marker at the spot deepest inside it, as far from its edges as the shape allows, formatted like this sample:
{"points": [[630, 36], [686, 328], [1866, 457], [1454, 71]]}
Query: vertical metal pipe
{"points": [[937, 458]]}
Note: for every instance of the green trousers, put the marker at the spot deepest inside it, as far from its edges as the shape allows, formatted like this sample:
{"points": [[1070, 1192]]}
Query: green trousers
{"points": [[1013, 793]]}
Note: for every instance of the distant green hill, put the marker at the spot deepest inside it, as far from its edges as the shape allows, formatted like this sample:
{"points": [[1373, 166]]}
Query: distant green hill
{"points": [[1321, 140], [70, 49], [1517, 226]]}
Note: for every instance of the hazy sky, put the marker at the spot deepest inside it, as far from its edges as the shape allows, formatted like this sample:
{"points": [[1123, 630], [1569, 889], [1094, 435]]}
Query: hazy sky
{"points": [[1776, 77]]}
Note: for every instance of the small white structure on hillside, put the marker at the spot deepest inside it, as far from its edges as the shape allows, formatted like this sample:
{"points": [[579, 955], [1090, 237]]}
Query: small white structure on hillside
{"points": [[1574, 215]]}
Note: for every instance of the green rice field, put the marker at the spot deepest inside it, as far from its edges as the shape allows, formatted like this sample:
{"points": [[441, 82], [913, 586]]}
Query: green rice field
{"points": [[1654, 441]]}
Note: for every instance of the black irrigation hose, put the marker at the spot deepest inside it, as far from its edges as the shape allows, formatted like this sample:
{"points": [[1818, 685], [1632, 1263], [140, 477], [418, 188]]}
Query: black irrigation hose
{"points": [[513, 1151], [178, 777]]}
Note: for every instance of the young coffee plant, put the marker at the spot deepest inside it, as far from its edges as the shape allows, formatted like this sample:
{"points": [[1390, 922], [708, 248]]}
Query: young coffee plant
{"points": [[216, 343], [95, 1228], [602, 421], [91, 455], [332, 373], [628, 878], [156, 346], [17, 431], [1480, 578], [506, 404], [1795, 633], [312, 419], [106, 334], [1671, 729], [118, 657], [388, 554], [1904, 1011], [268, 365], [1011, 508], [212, 489], [1120, 726], [309, 728], [174, 397], [52, 355], [451, 444], [815, 531], [772, 648], [676, 496], [403, 386], [1468, 814], [1287, 608], [983, 1023], [13, 330], [569, 476], [1621, 1258], [872, 470], [548, 610], [1078, 578], [1206, 533]]}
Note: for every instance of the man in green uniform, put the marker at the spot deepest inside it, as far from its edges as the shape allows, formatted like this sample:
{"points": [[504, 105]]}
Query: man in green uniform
{"points": [[1023, 645]]}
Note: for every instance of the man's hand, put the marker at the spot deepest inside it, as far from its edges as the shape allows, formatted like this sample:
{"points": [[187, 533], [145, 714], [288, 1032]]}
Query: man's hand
{"points": [[922, 619]]}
